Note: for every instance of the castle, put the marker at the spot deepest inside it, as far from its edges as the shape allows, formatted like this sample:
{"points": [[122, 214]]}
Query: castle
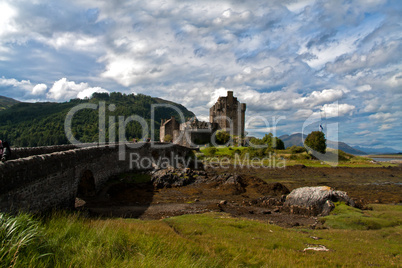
{"points": [[226, 114]]}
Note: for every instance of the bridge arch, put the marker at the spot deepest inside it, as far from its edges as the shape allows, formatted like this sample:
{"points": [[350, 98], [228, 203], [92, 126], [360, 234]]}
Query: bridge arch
{"points": [[86, 184]]}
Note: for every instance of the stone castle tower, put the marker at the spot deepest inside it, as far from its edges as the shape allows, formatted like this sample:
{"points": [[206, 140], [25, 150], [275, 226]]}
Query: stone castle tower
{"points": [[229, 113]]}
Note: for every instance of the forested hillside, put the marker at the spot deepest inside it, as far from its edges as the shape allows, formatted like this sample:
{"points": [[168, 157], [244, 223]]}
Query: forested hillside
{"points": [[6, 102], [38, 124]]}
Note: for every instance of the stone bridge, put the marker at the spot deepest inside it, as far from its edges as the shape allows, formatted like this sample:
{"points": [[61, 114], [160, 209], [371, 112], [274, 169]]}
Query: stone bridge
{"points": [[43, 178]]}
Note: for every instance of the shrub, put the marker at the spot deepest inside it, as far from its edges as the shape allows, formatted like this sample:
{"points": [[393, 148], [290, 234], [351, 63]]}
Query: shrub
{"points": [[342, 156], [222, 137], [168, 138], [254, 152], [297, 149]]}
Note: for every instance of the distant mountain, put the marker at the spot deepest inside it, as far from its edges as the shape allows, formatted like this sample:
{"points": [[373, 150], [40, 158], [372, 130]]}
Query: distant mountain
{"points": [[296, 139], [6, 102], [385, 150], [42, 123]]}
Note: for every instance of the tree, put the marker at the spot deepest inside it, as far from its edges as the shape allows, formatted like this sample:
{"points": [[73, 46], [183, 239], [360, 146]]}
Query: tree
{"points": [[316, 141], [278, 144], [222, 137], [273, 142], [168, 138]]}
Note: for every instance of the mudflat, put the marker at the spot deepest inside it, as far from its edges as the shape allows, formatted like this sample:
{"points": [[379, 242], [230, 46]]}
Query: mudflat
{"points": [[258, 193]]}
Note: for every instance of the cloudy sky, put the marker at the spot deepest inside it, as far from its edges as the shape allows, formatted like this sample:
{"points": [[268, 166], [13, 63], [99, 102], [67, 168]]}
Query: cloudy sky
{"points": [[288, 60]]}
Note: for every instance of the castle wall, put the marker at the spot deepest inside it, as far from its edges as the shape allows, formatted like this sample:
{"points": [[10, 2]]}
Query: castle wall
{"points": [[168, 128], [227, 114]]}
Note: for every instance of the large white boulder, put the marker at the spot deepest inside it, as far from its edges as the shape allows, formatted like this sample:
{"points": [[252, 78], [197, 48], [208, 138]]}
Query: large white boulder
{"points": [[315, 201]]}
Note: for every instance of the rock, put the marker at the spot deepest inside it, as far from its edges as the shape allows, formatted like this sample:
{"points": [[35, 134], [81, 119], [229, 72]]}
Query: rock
{"points": [[316, 248], [327, 208], [235, 180], [314, 201], [276, 189], [172, 177], [223, 202], [232, 183]]}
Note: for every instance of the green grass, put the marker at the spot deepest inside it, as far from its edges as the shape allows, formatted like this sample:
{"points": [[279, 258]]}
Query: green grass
{"points": [[345, 159], [382, 216], [222, 151], [22, 242], [207, 240]]}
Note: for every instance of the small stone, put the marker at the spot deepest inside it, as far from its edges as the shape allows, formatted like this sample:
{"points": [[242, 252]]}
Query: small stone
{"points": [[277, 210], [223, 202], [196, 200], [317, 248]]}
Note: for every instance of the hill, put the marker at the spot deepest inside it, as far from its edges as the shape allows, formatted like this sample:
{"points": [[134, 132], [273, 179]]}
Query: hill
{"points": [[38, 124], [296, 139], [385, 150], [6, 102]]}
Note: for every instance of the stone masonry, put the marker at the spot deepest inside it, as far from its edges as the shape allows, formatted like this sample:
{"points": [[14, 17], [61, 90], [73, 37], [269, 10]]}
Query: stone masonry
{"points": [[46, 181], [227, 114]]}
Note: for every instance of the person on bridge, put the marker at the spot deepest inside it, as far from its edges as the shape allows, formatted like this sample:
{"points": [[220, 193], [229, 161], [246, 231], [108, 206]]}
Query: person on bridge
{"points": [[5, 151]]}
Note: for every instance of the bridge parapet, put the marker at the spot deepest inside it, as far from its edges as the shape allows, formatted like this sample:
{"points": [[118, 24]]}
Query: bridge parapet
{"points": [[42, 182]]}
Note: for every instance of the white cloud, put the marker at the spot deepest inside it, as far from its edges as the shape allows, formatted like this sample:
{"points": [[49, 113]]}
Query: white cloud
{"points": [[395, 81], [377, 56], [23, 84], [70, 40], [362, 133], [7, 15], [320, 97], [364, 88], [64, 90], [386, 126], [383, 117], [302, 114], [39, 89], [297, 6], [335, 109]]}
